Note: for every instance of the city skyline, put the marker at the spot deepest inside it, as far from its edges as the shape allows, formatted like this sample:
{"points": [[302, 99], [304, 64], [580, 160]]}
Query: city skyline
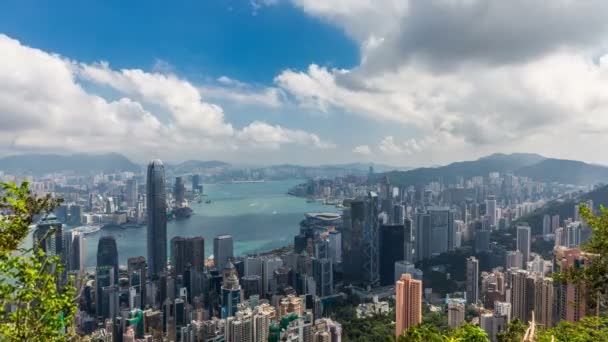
{"points": [[286, 75]]}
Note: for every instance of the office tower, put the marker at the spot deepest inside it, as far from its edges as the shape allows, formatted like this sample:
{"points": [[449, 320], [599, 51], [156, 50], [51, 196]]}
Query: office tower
{"points": [[472, 280], [523, 242], [231, 291], [61, 212], [392, 249], [107, 253], [335, 246], [75, 215], [546, 225], [251, 285], [323, 274], [106, 276], [398, 214], [78, 252], [456, 313], [179, 191], [136, 269], [131, 192], [423, 236], [408, 304], [371, 260], [544, 300], [386, 196], [222, 250], [48, 236], [352, 241], [253, 266], [404, 266], [186, 253], [491, 211], [156, 204], [514, 260], [482, 241], [572, 234], [409, 242], [196, 183], [442, 230], [269, 265]]}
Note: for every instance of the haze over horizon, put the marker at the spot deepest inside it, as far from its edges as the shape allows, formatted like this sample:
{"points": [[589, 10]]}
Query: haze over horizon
{"points": [[303, 82]]}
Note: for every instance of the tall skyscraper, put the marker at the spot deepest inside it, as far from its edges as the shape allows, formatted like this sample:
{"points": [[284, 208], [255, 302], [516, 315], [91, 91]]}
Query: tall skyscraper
{"points": [[522, 294], [514, 259], [456, 313], [186, 253], [231, 291], [371, 262], [131, 192], [179, 191], [106, 275], [335, 246], [222, 250], [156, 203], [136, 269], [523, 242], [392, 249], [442, 230], [544, 301], [571, 298], [196, 183], [472, 280], [491, 211], [48, 236], [423, 236], [323, 274], [352, 241], [408, 305], [546, 225], [75, 215]]}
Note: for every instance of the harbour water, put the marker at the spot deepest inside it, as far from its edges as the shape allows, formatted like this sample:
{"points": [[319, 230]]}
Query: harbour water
{"points": [[259, 216]]}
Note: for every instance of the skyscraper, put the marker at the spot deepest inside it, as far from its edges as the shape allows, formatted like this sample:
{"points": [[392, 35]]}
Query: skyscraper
{"points": [[456, 313], [491, 210], [472, 280], [423, 236], [131, 192], [546, 225], [371, 262], [335, 246], [186, 253], [392, 249], [136, 269], [523, 242], [514, 259], [48, 236], [179, 191], [106, 275], [324, 276], [222, 250], [544, 301], [352, 241], [408, 303], [231, 291], [157, 219]]}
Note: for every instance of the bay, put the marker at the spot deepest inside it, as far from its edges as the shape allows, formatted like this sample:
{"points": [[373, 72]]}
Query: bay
{"points": [[259, 216]]}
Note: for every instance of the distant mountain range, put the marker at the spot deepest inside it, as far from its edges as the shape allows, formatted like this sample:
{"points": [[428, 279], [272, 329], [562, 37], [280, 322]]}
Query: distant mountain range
{"points": [[196, 165], [79, 163], [535, 166]]}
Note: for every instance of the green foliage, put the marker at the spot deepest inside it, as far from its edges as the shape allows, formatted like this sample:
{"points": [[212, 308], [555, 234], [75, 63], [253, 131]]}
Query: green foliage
{"points": [[438, 320], [514, 333], [588, 329], [429, 333], [377, 328], [33, 307]]}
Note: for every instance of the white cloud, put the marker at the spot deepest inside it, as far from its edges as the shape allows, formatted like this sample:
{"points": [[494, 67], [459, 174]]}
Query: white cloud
{"points": [[241, 93], [44, 107], [363, 150]]}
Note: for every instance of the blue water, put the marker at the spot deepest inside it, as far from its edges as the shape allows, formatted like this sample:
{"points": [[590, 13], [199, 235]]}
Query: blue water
{"points": [[259, 216]]}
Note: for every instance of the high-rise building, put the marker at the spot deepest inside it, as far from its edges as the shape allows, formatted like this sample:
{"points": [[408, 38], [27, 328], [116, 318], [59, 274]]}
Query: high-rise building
{"points": [[106, 276], [571, 297], [408, 303], [514, 260], [156, 204], [492, 324], [554, 223], [544, 301], [442, 230], [423, 236], [48, 236], [352, 241], [78, 252], [522, 294], [136, 269], [335, 246], [179, 191], [456, 313], [322, 270], [222, 250], [491, 211], [371, 262], [404, 266], [107, 253], [392, 249], [546, 225], [196, 183], [523, 242], [269, 265], [75, 215], [231, 291], [472, 280], [131, 192], [398, 214], [61, 212], [186, 253]]}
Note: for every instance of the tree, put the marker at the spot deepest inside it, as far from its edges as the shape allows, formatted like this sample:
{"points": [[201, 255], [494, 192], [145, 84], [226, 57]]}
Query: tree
{"points": [[34, 306], [429, 333], [591, 328], [514, 333]]}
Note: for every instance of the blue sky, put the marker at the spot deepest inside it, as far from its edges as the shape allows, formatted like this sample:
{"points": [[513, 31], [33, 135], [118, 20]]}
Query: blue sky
{"points": [[303, 81]]}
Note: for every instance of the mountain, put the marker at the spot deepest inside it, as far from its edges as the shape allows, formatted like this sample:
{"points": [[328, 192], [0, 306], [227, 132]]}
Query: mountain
{"points": [[364, 167], [565, 172], [196, 165], [78, 163], [466, 169]]}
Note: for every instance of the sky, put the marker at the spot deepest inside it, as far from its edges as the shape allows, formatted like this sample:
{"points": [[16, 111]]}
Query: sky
{"points": [[405, 83]]}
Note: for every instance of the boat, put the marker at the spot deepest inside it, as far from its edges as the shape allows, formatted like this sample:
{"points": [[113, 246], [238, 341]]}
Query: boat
{"points": [[207, 201], [182, 212]]}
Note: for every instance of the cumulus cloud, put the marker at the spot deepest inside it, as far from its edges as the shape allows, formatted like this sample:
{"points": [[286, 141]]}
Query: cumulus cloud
{"points": [[44, 106], [478, 73], [363, 150], [237, 92]]}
